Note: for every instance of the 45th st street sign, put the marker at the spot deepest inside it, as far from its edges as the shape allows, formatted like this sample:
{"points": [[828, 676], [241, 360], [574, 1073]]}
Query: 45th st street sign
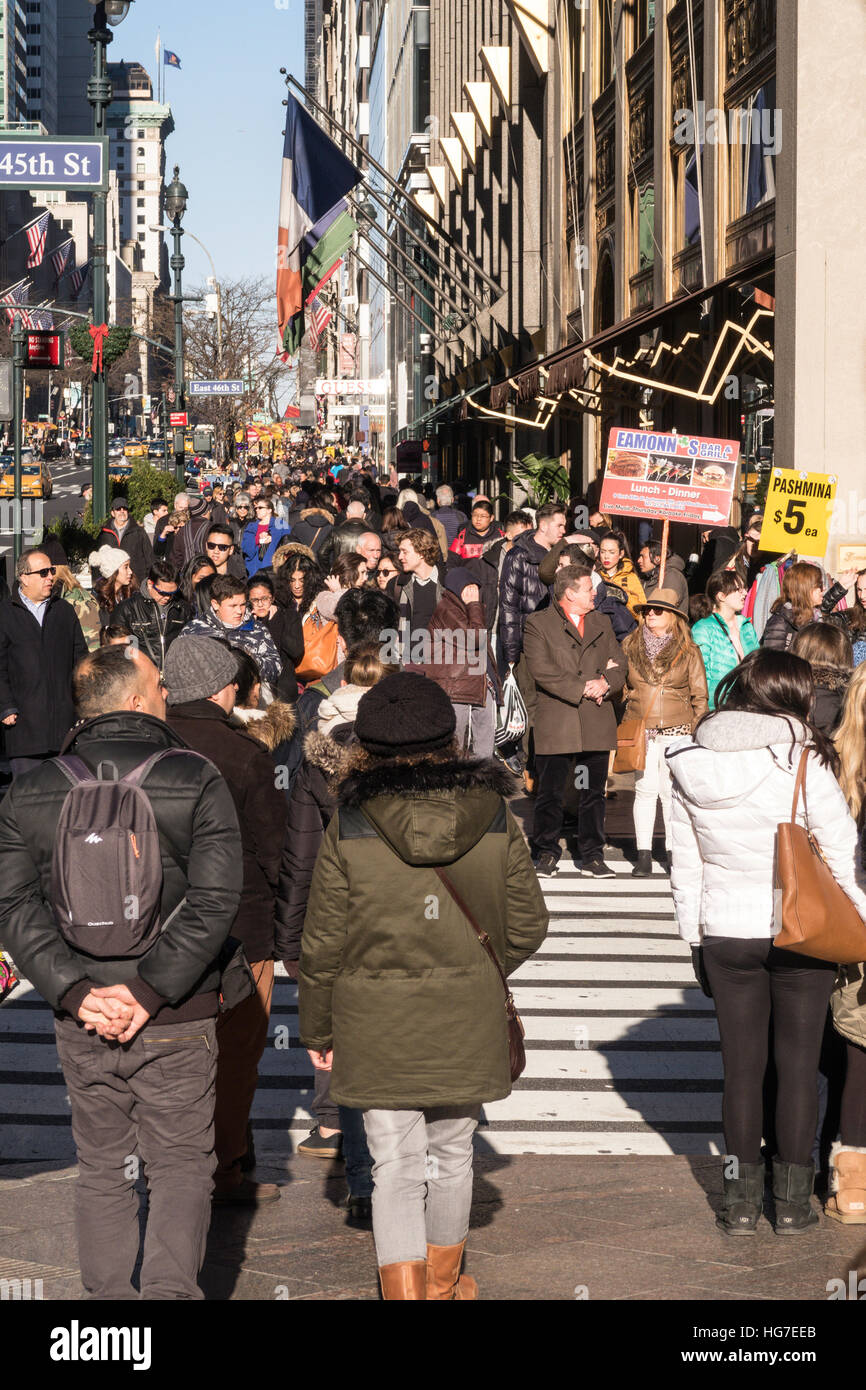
{"points": [[35, 161]]}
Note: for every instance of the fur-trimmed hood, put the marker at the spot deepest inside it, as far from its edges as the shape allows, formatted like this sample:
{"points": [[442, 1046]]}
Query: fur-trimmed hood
{"points": [[831, 677], [287, 547], [271, 727], [309, 512], [331, 755], [431, 811]]}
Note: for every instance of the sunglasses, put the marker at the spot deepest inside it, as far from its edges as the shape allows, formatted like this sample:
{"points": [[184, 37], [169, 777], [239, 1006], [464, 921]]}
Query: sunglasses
{"points": [[214, 545], [164, 593], [657, 611], [385, 572], [43, 574]]}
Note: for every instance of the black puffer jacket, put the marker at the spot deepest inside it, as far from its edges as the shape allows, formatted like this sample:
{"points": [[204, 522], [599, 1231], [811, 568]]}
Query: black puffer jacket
{"points": [[520, 592], [343, 540], [200, 843], [36, 665], [313, 528], [153, 627]]}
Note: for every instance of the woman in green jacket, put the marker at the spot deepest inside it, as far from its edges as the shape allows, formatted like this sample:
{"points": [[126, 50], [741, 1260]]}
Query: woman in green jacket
{"points": [[397, 995], [725, 637]]}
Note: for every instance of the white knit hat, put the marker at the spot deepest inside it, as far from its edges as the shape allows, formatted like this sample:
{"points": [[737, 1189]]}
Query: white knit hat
{"points": [[107, 559]]}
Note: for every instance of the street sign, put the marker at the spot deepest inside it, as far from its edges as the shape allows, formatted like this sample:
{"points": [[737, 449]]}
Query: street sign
{"points": [[29, 162], [675, 477], [6, 411], [797, 511], [178, 419], [43, 349], [216, 388]]}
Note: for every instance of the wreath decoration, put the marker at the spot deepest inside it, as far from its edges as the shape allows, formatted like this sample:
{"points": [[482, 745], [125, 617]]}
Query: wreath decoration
{"points": [[113, 347]]}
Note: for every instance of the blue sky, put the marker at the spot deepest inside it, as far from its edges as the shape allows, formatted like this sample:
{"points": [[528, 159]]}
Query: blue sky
{"points": [[226, 102]]}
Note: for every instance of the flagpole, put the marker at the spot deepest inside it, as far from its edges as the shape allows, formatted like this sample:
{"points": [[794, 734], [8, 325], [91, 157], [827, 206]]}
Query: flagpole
{"points": [[374, 163], [26, 227]]}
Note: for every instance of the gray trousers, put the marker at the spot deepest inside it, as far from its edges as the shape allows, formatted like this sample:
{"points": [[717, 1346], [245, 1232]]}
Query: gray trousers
{"points": [[422, 1175], [476, 725], [148, 1103]]}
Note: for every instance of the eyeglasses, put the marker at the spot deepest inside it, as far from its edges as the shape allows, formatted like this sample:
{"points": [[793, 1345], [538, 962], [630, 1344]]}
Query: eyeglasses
{"points": [[43, 574], [258, 602], [214, 545]]}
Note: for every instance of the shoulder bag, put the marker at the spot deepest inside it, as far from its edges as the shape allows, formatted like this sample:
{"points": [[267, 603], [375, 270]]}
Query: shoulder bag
{"points": [[818, 917], [320, 649], [516, 1050]]}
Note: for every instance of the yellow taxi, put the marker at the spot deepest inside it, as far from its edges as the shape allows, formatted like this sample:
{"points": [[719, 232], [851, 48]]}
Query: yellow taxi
{"points": [[35, 476], [135, 450]]}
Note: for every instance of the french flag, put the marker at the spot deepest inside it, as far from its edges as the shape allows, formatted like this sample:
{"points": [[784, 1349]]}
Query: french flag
{"points": [[314, 225]]}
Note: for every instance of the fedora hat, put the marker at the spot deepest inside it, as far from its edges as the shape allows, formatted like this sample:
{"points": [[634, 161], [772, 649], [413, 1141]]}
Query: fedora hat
{"points": [[661, 598]]}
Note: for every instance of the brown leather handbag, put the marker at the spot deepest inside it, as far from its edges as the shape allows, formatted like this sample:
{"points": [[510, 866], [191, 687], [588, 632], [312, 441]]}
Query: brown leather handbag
{"points": [[516, 1034], [630, 746], [818, 917], [320, 649]]}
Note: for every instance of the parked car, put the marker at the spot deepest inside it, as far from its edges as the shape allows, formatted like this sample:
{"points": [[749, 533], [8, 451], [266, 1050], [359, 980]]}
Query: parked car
{"points": [[35, 476]]}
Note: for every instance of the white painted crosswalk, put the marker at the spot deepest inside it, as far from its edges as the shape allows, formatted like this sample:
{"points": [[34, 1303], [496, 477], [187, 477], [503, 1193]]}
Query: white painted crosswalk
{"points": [[622, 1047]]}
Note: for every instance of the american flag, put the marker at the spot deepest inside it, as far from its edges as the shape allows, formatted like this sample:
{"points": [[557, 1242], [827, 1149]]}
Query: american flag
{"points": [[320, 317], [77, 279], [17, 295], [42, 319], [60, 258], [36, 238]]}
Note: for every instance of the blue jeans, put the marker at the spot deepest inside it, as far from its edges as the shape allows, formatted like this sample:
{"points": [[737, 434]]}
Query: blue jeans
{"points": [[356, 1155]]}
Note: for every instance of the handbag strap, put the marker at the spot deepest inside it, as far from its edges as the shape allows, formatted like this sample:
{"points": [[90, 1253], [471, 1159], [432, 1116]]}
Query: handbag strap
{"points": [[800, 786], [482, 937]]}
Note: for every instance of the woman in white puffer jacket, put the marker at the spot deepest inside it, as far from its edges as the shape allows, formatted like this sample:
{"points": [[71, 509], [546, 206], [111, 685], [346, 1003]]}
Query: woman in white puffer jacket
{"points": [[733, 784]]}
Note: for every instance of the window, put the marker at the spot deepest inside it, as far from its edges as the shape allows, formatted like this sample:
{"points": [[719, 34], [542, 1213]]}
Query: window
{"points": [[140, 149], [140, 186], [141, 219], [139, 168], [66, 224], [605, 48], [139, 202], [752, 143], [142, 237], [140, 135]]}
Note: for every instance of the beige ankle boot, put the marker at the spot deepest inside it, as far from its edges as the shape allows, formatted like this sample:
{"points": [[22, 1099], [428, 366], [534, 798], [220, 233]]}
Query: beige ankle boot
{"points": [[847, 1202], [406, 1280]]}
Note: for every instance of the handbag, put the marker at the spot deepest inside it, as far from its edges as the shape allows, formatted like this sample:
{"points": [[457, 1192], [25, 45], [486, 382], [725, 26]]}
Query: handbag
{"points": [[516, 1033], [630, 746], [320, 649], [511, 715], [818, 917]]}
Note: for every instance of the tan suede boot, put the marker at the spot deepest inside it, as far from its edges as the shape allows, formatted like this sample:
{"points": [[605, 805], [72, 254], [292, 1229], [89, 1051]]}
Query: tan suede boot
{"points": [[444, 1280], [847, 1185], [407, 1280]]}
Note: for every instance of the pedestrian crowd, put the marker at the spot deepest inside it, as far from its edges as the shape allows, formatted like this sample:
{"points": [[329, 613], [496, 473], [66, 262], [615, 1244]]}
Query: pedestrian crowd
{"points": [[267, 725]]}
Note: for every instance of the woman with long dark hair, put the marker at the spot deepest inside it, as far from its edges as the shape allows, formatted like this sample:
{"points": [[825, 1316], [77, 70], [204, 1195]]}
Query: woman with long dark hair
{"points": [[733, 784], [802, 601], [196, 569], [827, 649], [723, 636], [115, 580]]}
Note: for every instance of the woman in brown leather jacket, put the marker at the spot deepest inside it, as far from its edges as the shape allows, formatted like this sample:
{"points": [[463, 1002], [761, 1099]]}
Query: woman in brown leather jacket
{"points": [[666, 686]]}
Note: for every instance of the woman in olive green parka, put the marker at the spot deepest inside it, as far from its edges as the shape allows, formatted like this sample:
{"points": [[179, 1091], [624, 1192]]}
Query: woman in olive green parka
{"points": [[393, 978]]}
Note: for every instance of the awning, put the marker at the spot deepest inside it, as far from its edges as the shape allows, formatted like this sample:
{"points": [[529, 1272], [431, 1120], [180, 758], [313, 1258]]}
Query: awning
{"points": [[415, 427]]}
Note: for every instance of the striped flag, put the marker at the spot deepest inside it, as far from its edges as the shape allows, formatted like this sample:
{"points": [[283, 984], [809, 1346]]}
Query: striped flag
{"points": [[37, 235], [60, 258], [42, 319], [77, 279], [314, 226], [17, 295], [320, 317]]}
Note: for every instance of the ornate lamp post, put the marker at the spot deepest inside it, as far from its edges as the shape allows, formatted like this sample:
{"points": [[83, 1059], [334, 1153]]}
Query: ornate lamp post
{"points": [[176, 199]]}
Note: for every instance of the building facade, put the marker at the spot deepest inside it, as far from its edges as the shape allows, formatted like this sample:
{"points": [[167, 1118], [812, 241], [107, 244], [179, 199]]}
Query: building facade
{"points": [[138, 127], [13, 63]]}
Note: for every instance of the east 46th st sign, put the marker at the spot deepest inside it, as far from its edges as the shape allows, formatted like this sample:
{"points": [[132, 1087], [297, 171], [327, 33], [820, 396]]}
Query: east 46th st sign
{"points": [[37, 162]]}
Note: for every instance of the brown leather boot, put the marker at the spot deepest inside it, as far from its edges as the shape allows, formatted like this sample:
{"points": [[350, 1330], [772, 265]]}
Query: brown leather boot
{"points": [[443, 1269], [847, 1202], [403, 1281]]}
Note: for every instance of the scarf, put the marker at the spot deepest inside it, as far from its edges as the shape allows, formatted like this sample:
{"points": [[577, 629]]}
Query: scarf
{"points": [[653, 643]]}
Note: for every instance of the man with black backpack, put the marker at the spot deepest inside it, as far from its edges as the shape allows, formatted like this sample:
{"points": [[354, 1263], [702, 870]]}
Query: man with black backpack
{"points": [[120, 879]]}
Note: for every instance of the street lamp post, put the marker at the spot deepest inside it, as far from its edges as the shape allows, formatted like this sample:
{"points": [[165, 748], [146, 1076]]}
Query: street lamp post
{"points": [[176, 198], [99, 93]]}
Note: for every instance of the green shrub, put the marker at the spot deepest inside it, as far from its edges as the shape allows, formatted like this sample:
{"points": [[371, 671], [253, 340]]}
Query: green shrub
{"points": [[145, 483], [76, 535]]}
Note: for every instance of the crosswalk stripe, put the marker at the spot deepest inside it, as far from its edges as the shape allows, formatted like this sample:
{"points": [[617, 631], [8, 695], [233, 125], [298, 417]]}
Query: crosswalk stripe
{"points": [[622, 1047]]}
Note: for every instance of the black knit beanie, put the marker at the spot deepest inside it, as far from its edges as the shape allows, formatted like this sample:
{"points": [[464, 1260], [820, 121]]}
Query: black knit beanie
{"points": [[404, 713]]}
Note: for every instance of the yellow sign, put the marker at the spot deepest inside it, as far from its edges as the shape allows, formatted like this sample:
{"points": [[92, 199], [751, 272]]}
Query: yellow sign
{"points": [[797, 511]]}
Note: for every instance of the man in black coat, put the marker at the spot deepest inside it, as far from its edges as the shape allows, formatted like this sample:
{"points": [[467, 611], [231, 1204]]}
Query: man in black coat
{"points": [[156, 615], [40, 642], [125, 533], [200, 677], [136, 1036]]}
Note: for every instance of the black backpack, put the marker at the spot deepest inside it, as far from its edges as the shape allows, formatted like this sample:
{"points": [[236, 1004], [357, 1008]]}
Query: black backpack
{"points": [[106, 870]]}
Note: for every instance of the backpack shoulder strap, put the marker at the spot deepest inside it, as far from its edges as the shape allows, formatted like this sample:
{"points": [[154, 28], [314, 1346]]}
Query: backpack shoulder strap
{"points": [[74, 768], [136, 776]]}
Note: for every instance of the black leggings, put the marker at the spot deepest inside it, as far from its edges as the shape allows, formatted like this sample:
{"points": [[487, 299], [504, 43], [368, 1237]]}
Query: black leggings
{"points": [[753, 981], [852, 1123]]}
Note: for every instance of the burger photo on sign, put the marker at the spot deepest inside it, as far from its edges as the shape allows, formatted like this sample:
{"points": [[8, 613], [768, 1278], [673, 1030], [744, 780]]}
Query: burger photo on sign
{"points": [[711, 475], [622, 464]]}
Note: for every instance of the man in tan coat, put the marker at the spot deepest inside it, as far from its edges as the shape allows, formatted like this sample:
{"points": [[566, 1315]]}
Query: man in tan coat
{"points": [[577, 665]]}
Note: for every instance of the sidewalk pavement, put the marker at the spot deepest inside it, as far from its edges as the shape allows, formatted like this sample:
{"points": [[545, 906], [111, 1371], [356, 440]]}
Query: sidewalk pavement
{"points": [[543, 1228]]}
